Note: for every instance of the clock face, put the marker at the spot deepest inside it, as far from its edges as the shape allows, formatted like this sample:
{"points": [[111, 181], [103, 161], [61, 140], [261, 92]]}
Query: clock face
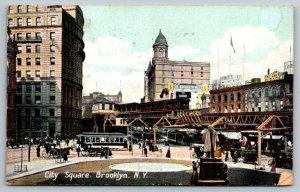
{"points": [[161, 50]]}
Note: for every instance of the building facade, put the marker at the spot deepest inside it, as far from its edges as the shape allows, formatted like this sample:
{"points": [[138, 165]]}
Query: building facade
{"points": [[181, 78], [48, 68], [12, 51], [271, 95], [98, 97]]}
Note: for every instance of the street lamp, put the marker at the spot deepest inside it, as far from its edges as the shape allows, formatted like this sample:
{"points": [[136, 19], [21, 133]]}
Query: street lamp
{"points": [[29, 136]]}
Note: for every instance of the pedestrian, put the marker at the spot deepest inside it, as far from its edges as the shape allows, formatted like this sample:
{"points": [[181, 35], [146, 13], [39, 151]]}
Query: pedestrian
{"points": [[168, 155], [38, 150], [139, 145], [78, 150], [67, 142], [226, 156], [65, 157], [235, 157], [145, 151]]}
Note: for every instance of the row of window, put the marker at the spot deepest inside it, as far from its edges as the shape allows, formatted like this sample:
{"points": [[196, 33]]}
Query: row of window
{"points": [[38, 35], [225, 98], [37, 73], [37, 48], [37, 112], [28, 9], [28, 23], [104, 140], [37, 99], [274, 92], [37, 61], [37, 87]]}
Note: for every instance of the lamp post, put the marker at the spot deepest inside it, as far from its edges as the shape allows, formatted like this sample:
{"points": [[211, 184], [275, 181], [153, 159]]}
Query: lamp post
{"points": [[29, 135]]}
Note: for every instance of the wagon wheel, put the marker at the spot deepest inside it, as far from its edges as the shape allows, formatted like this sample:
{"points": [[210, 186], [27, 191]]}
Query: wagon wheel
{"points": [[84, 153], [55, 153]]}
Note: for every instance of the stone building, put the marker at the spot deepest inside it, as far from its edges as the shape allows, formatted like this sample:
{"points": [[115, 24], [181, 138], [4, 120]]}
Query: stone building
{"points": [[181, 78], [272, 95], [48, 68], [11, 87], [97, 97]]}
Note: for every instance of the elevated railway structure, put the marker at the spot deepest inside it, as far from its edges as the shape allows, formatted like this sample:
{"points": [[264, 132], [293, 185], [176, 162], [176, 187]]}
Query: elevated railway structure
{"points": [[175, 114]]}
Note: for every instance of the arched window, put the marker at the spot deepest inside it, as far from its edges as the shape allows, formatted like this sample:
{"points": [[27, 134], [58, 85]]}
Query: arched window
{"points": [[225, 98], [239, 96], [231, 97], [281, 90], [274, 93], [266, 92], [213, 99], [219, 98]]}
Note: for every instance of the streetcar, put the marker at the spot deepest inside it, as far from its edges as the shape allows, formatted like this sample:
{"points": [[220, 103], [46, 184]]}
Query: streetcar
{"points": [[111, 140]]}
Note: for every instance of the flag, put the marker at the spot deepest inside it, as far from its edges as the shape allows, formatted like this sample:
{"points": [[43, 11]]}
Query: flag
{"points": [[231, 43]]}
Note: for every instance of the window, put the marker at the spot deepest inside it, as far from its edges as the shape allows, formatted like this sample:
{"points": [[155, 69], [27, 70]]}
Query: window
{"points": [[19, 22], [37, 73], [11, 9], [19, 99], [38, 87], [52, 48], [231, 97], [18, 74], [19, 8], [181, 73], [29, 9], [201, 74], [53, 20], [52, 60], [52, 73], [28, 48], [38, 61], [28, 61], [51, 112], [37, 48], [28, 87], [28, 100], [29, 21], [38, 125], [266, 92], [10, 22], [28, 36], [281, 90], [52, 35], [37, 99], [19, 49], [52, 86], [28, 74], [225, 98], [19, 36], [239, 96], [201, 67], [19, 61], [274, 91], [52, 99], [38, 35], [38, 21], [38, 8]]}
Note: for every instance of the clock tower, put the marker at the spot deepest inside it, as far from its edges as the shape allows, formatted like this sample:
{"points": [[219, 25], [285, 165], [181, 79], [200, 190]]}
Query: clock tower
{"points": [[160, 47]]}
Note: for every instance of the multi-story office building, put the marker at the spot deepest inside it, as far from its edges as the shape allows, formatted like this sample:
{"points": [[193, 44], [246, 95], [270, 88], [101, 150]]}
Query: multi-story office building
{"points": [[182, 78], [11, 87], [48, 68]]}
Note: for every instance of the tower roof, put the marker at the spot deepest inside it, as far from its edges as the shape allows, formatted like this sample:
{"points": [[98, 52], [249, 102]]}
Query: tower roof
{"points": [[160, 39]]}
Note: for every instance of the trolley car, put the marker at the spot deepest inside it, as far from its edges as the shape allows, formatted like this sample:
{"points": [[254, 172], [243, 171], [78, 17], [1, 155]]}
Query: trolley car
{"points": [[111, 140]]}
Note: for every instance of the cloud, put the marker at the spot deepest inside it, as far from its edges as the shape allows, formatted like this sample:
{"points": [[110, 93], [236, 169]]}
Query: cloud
{"points": [[256, 47], [111, 61]]}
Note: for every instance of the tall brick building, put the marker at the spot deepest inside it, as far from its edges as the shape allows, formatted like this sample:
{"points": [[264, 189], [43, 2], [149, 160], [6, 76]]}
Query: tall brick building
{"points": [[48, 68], [185, 77]]}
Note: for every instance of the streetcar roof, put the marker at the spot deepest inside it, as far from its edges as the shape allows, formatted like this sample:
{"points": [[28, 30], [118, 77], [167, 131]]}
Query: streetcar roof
{"points": [[101, 134]]}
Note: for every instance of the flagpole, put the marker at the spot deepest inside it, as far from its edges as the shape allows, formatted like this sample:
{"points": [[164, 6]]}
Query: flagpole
{"points": [[244, 65], [218, 79]]}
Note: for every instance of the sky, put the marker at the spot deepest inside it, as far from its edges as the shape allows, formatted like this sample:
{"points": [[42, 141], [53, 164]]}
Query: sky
{"points": [[118, 42]]}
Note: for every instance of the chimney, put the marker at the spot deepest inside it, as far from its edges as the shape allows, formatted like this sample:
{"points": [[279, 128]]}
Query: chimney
{"points": [[268, 71]]}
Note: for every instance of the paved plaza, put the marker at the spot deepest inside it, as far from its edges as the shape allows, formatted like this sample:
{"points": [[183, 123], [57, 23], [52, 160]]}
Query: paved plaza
{"points": [[239, 173]]}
